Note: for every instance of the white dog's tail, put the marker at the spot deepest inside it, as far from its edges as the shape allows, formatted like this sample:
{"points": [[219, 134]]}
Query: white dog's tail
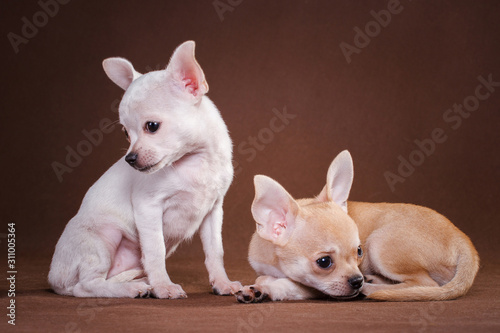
{"points": [[467, 267], [127, 276]]}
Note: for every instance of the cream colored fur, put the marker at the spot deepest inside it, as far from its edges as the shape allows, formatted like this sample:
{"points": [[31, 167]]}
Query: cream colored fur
{"points": [[409, 252]]}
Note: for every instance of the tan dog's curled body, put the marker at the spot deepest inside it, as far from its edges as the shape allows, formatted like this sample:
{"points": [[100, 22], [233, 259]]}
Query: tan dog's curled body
{"points": [[309, 248]]}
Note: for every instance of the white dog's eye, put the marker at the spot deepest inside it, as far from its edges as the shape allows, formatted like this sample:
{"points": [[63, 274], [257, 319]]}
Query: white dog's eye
{"points": [[152, 126], [126, 134], [324, 262]]}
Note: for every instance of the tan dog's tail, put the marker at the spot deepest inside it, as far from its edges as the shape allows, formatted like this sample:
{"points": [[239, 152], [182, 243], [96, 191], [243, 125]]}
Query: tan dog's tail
{"points": [[467, 267]]}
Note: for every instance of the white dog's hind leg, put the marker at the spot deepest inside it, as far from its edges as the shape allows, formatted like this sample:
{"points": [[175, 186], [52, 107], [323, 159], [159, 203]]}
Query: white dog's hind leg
{"points": [[93, 276], [99, 287], [97, 264], [93, 281]]}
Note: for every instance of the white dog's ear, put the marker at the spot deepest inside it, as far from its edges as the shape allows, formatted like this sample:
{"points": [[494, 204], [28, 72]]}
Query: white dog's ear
{"points": [[274, 210], [338, 180], [186, 71], [120, 71]]}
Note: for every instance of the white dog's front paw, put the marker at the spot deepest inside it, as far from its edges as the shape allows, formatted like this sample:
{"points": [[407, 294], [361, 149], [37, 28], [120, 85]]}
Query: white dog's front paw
{"points": [[171, 291], [226, 288]]}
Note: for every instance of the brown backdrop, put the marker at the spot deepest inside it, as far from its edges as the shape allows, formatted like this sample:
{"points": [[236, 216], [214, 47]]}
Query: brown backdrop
{"points": [[400, 77]]}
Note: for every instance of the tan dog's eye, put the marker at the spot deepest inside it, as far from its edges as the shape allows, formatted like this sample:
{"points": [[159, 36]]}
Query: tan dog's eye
{"points": [[360, 252], [126, 133], [152, 126], [324, 262]]}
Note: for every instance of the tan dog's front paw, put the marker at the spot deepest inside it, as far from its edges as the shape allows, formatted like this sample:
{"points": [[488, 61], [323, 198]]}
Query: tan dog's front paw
{"points": [[250, 294], [170, 291], [226, 288]]}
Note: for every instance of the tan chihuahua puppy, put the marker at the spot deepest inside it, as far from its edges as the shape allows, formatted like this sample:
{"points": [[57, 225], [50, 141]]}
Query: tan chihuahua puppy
{"points": [[326, 245]]}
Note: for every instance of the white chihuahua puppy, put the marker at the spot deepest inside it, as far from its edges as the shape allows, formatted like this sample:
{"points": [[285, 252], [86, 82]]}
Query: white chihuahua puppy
{"points": [[170, 184]]}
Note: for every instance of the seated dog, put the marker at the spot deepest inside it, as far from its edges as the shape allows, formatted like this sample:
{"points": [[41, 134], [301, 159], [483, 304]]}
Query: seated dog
{"points": [[171, 183]]}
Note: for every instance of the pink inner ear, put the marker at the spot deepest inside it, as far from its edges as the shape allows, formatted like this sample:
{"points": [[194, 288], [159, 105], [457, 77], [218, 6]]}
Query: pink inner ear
{"points": [[279, 224], [279, 227], [191, 86]]}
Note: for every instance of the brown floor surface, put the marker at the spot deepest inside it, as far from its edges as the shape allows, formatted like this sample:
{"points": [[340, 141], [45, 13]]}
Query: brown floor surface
{"points": [[40, 310]]}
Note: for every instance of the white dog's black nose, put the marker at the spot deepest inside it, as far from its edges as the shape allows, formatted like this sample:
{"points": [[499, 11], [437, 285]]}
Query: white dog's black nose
{"points": [[131, 158], [356, 282]]}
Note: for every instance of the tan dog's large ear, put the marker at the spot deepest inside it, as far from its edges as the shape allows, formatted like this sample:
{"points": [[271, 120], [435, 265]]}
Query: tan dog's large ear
{"points": [[186, 71], [338, 180], [120, 71], [274, 210]]}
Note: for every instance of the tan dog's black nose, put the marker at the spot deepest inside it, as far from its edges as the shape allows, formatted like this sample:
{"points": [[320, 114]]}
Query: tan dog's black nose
{"points": [[131, 158], [356, 282]]}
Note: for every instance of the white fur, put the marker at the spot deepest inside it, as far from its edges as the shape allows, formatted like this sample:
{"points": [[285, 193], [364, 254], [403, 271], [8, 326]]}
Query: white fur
{"points": [[131, 220]]}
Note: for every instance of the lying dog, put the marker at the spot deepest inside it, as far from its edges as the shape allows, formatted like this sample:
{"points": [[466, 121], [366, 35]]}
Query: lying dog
{"points": [[171, 183], [311, 247]]}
